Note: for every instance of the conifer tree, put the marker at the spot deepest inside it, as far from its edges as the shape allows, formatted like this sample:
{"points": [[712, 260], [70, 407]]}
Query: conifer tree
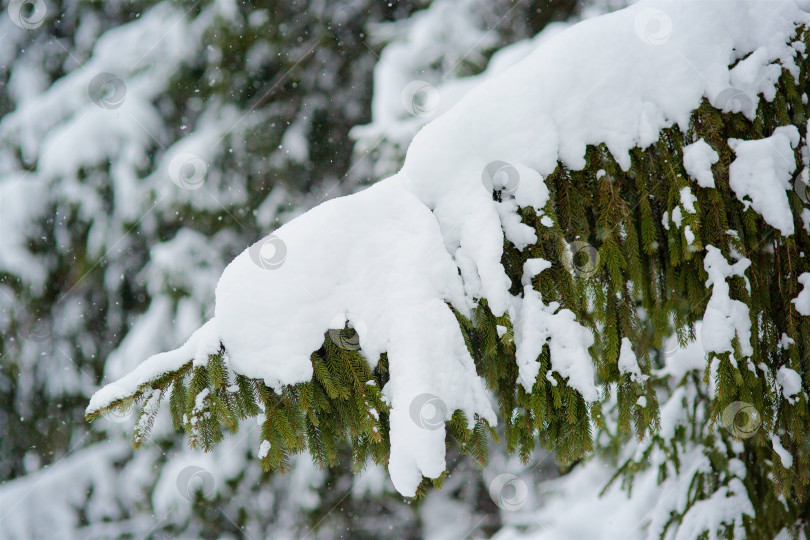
{"points": [[636, 251], [82, 254]]}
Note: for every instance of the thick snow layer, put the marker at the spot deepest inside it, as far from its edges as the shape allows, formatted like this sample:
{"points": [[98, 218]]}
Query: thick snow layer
{"points": [[389, 259], [413, 78], [382, 265], [761, 174], [698, 159], [724, 317]]}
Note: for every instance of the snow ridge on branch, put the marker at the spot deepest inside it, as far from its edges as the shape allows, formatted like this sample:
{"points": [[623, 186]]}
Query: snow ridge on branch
{"points": [[394, 261]]}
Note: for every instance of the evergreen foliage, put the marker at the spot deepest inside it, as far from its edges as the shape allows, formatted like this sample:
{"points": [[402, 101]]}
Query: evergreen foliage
{"points": [[637, 278]]}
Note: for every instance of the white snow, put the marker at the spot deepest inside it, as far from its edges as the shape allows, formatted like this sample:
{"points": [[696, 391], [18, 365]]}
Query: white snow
{"points": [[642, 514], [698, 159], [531, 268], [264, 448], [414, 78], [785, 342], [724, 317], [537, 324], [388, 268], [761, 173], [727, 505], [784, 456], [673, 413], [802, 301], [677, 216], [689, 235], [71, 478], [628, 364], [688, 200], [682, 360], [790, 382]]}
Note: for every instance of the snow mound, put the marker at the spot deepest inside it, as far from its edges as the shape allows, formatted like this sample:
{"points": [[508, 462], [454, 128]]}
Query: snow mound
{"points": [[698, 159], [377, 260], [725, 317], [790, 382], [390, 260], [762, 173]]}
